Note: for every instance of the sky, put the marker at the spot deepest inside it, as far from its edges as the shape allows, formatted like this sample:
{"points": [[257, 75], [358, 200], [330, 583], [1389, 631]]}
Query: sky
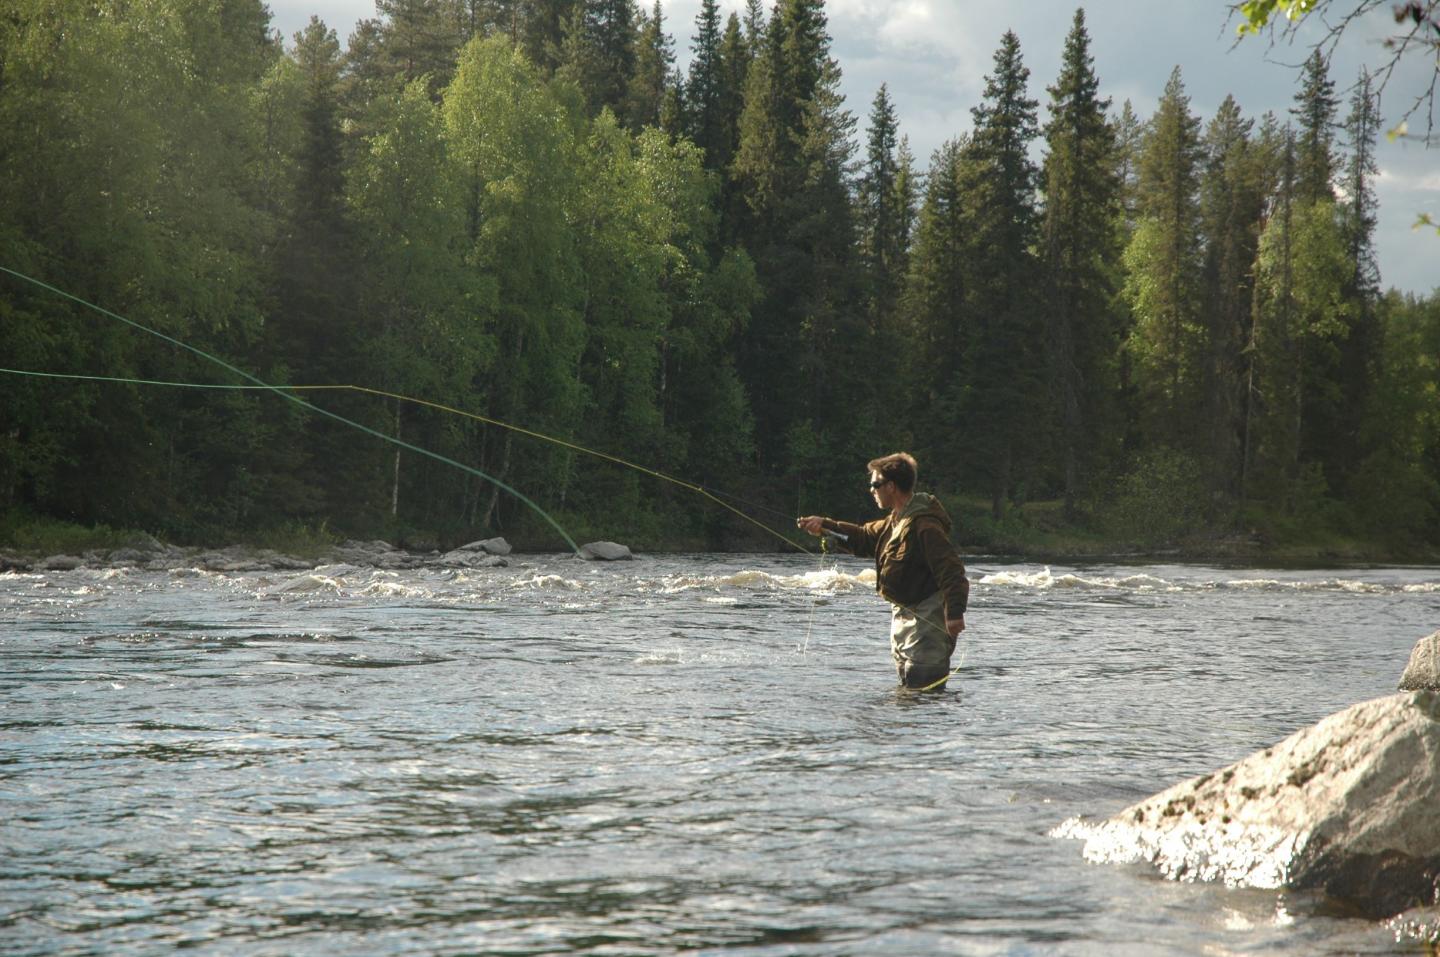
{"points": [[934, 55]]}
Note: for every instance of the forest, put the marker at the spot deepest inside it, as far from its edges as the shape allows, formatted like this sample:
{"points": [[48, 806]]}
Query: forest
{"points": [[1095, 328]]}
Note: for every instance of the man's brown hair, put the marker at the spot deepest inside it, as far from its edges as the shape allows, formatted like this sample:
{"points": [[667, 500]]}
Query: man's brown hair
{"points": [[898, 467]]}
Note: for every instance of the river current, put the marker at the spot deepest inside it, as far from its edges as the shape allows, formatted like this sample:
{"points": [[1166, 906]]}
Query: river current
{"points": [[701, 753]]}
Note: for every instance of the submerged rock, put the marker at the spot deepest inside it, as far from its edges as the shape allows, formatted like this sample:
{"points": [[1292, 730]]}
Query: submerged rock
{"points": [[1349, 807], [1423, 671], [471, 558], [605, 552]]}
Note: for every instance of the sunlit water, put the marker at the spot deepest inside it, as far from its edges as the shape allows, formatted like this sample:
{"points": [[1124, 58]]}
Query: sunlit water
{"points": [[699, 753]]}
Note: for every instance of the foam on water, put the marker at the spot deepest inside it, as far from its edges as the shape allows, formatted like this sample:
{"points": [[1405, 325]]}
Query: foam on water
{"points": [[831, 580]]}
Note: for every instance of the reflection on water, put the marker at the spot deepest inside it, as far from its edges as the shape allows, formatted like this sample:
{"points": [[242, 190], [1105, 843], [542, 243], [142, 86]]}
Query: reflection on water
{"points": [[697, 752]]}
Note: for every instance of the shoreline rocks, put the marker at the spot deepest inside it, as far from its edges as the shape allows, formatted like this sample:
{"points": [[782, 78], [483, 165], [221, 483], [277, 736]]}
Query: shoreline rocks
{"points": [[1349, 807], [152, 555]]}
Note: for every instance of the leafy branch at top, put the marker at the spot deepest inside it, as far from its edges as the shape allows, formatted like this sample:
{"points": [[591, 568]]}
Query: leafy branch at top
{"points": [[1417, 31]]}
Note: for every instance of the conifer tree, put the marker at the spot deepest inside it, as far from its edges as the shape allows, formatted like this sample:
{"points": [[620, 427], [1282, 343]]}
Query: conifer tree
{"points": [[484, 18], [1081, 251], [907, 198], [1130, 133], [703, 87], [881, 221], [1163, 260], [544, 26], [1299, 277], [1314, 112], [652, 98], [598, 53], [418, 38], [1004, 362], [791, 168], [1324, 438], [1360, 355], [934, 300], [734, 70], [313, 257], [1232, 199], [755, 27]]}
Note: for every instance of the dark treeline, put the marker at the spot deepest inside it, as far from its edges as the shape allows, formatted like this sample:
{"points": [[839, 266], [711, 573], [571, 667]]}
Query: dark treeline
{"points": [[524, 209]]}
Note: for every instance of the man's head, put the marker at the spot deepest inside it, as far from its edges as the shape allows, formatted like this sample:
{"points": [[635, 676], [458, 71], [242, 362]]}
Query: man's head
{"points": [[892, 476]]}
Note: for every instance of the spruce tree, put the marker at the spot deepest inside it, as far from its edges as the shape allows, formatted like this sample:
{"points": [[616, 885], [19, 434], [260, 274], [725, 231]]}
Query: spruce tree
{"points": [[651, 98], [1004, 361], [1232, 199], [1324, 415], [1163, 260], [933, 304], [1130, 133], [1358, 217], [734, 70], [598, 52], [756, 26], [544, 25], [703, 87], [1081, 252], [418, 38], [881, 221], [804, 346], [1314, 112]]}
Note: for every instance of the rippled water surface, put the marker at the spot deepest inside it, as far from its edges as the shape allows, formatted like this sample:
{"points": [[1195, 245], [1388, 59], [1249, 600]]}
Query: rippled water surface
{"points": [[699, 753]]}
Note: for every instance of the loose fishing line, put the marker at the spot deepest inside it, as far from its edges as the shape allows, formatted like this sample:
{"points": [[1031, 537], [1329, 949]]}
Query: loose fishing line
{"points": [[284, 391]]}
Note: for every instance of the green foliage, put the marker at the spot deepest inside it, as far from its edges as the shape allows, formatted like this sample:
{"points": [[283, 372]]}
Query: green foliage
{"points": [[513, 208], [40, 535], [1157, 500], [1257, 13]]}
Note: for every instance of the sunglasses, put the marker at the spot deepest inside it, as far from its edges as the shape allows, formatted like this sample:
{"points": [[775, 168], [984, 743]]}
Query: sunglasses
{"points": [[875, 485]]}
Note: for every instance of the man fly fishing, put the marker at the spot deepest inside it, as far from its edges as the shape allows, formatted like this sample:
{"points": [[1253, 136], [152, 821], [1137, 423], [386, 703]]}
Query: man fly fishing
{"points": [[916, 569]]}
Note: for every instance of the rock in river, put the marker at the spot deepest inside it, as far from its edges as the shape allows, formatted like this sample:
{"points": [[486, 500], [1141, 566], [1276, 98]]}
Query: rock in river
{"points": [[1423, 671], [1349, 807], [605, 551]]}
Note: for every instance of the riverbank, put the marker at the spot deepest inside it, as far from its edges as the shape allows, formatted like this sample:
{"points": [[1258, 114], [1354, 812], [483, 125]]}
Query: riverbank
{"points": [[57, 546]]}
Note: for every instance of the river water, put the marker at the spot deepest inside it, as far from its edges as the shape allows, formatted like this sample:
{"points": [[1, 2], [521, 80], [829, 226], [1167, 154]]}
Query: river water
{"points": [[685, 753]]}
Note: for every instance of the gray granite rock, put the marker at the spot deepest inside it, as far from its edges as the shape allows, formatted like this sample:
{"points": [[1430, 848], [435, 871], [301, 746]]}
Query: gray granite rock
{"points": [[605, 551], [1423, 670], [1349, 807], [61, 563], [494, 546]]}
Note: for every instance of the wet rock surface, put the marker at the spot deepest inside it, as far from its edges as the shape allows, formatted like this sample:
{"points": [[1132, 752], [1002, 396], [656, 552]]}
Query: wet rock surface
{"points": [[1349, 807], [1423, 670], [605, 552]]}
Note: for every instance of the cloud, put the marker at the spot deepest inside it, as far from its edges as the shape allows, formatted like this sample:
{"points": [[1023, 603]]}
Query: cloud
{"points": [[1424, 181]]}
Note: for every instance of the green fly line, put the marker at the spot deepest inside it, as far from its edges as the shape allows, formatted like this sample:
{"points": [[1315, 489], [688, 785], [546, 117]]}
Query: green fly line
{"points": [[280, 391], [286, 392]]}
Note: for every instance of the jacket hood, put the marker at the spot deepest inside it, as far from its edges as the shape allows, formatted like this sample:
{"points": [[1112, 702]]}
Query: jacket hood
{"points": [[925, 504]]}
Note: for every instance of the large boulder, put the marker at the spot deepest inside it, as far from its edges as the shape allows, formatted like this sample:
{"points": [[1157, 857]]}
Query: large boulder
{"points": [[1349, 807], [1423, 671], [605, 552]]}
